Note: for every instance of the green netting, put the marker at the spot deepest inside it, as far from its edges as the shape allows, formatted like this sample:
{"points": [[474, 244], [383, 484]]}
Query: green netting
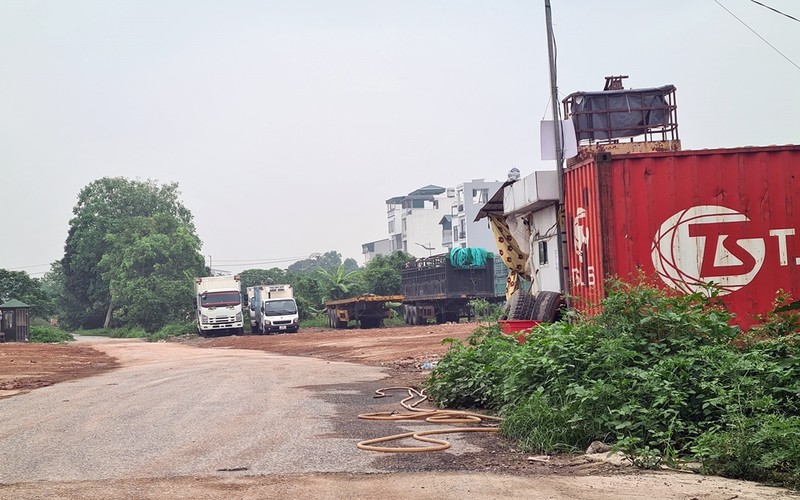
{"points": [[468, 257]]}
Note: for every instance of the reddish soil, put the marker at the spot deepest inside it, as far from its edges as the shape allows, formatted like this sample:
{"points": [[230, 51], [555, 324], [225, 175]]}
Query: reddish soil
{"points": [[24, 367], [29, 366]]}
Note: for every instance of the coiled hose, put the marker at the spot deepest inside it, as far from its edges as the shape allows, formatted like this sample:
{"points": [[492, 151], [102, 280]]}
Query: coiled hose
{"points": [[432, 416]]}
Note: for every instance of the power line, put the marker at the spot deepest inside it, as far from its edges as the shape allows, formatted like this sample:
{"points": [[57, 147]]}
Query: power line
{"points": [[759, 36], [775, 10]]}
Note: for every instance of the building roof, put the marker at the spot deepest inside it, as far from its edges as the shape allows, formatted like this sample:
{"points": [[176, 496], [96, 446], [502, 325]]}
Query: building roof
{"points": [[430, 189], [495, 203], [395, 200], [13, 304]]}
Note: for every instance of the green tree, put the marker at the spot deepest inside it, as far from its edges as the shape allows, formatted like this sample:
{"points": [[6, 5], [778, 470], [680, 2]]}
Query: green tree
{"points": [[52, 284], [328, 261], [110, 213], [149, 267], [337, 284], [382, 275], [255, 277], [19, 285]]}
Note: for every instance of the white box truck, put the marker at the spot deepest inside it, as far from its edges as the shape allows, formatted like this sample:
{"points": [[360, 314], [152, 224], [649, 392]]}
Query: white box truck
{"points": [[275, 309], [218, 305]]}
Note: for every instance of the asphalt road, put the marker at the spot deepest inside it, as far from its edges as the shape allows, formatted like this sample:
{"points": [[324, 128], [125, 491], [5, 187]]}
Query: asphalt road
{"points": [[176, 410]]}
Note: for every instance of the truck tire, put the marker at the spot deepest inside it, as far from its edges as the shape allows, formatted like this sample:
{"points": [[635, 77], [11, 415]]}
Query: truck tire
{"points": [[546, 306], [524, 308]]}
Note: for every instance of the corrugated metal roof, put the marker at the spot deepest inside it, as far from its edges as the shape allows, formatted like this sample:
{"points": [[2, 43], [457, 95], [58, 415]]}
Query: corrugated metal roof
{"points": [[13, 304], [495, 203]]}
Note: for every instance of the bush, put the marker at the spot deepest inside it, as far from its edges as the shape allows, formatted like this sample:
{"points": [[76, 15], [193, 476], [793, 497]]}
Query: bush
{"points": [[172, 330], [48, 334], [664, 377]]}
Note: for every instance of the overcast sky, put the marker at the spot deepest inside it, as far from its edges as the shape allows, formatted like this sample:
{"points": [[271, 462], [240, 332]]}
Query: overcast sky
{"points": [[287, 124]]}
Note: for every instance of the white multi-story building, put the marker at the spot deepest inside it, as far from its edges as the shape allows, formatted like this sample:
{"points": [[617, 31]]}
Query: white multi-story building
{"points": [[459, 228], [432, 220], [414, 220]]}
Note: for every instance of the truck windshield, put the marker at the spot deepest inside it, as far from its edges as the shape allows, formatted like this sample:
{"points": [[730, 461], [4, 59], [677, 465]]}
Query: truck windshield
{"points": [[278, 307], [219, 299]]}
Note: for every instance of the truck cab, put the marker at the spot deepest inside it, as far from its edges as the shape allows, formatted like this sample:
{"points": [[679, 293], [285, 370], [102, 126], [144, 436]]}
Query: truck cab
{"points": [[218, 305], [275, 309]]}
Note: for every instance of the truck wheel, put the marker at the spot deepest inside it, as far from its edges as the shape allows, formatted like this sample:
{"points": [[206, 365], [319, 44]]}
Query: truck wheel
{"points": [[525, 307], [546, 307]]}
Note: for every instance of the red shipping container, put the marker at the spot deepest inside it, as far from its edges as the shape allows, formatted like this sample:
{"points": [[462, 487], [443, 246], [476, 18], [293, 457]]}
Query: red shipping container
{"points": [[731, 216]]}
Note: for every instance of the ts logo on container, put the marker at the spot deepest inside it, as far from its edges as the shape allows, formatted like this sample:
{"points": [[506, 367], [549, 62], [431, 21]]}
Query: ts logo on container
{"points": [[710, 243]]}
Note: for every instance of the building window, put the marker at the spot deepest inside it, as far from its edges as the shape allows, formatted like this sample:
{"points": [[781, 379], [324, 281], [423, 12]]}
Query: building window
{"points": [[391, 227], [543, 253], [480, 196]]}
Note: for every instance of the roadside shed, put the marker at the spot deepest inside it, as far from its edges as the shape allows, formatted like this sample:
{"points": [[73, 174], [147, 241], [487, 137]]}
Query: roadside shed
{"points": [[14, 321]]}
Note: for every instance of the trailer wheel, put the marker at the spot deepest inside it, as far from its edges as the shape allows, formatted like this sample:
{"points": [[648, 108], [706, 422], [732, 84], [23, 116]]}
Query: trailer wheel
{"points": [[546, 307], [406, 317]]}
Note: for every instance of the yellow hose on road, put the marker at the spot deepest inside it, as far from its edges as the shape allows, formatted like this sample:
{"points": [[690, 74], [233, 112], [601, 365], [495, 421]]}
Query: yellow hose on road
{"points": [[432, 416]]}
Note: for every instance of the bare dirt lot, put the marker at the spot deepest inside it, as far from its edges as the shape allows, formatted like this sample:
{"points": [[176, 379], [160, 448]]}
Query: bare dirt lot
{"points": [[497, 470]]}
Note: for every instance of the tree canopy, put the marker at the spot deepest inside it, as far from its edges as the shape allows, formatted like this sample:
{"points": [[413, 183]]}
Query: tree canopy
{"points": [[19, 285], [131, 247]]}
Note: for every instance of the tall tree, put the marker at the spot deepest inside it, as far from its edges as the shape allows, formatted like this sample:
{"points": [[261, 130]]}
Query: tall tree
{"points": [[110, 213], [149, 267]]}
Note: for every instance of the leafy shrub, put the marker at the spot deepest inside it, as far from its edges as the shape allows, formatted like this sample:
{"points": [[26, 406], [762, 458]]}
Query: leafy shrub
{"points": [[48, 334], [662, 376], [172, 330]]}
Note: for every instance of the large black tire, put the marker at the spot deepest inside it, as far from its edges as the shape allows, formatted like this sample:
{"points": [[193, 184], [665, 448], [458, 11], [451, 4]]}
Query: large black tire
{"points": [[547, 306], [524, 307]]}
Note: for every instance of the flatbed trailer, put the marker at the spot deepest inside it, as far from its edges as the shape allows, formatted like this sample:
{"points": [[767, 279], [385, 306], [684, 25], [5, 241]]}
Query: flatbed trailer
{"points": [[368, 311]]}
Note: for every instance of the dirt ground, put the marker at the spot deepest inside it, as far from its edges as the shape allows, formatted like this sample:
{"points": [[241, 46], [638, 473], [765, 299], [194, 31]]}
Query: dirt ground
{"points": [[407, 354]]}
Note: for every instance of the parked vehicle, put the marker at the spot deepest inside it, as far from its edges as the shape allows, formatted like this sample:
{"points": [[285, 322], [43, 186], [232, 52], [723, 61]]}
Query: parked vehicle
{"points": [[274, 309], [218, 305], [722, 216], [251, 295], [441, 287], [368, 311]]}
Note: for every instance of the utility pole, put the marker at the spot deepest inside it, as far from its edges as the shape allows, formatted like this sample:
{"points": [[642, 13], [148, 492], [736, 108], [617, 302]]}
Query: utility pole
{"points": [[563, 275]]}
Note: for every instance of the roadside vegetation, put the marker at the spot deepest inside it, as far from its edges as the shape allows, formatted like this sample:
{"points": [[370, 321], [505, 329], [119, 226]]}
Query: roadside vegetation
{"points": [[665, 379], [47, 334]]}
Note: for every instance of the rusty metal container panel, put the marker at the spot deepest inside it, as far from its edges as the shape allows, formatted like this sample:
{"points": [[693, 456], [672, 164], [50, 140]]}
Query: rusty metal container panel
{"points": [[728, 216], [586, 251]]}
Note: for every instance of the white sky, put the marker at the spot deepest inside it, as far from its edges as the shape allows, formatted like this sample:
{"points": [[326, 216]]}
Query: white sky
{"points": [[289, 123]]}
